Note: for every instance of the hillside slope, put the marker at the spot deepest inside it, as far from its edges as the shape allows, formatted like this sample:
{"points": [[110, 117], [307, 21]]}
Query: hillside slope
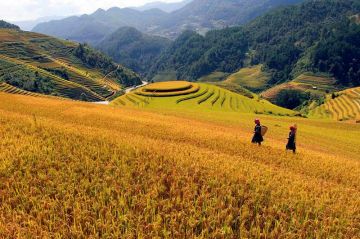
{"points": [[316, 36], [343, 106], [42, 64], [321, 85], [78, 170], [252, 78], [133, 49], [196, 97]]}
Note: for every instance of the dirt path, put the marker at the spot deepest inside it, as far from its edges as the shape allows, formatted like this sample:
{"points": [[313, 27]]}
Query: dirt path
{"points": [[129, 89]]}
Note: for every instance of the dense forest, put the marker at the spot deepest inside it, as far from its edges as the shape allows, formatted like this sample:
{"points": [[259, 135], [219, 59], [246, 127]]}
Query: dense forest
{"points": [[316, 36], [339, 53], [133, 48]]}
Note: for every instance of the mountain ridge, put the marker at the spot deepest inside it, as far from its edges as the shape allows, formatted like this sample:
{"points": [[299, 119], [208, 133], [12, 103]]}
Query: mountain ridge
{"points": [[164, 6], [198, 15], [94, 27]]}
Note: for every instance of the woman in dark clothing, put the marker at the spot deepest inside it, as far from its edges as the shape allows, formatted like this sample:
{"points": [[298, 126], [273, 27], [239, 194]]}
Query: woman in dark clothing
{"points": [[257, 138], [291, 145]]}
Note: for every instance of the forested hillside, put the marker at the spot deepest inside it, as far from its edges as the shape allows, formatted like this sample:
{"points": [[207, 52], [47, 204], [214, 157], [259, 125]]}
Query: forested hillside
{"points": [[33, 64], [133, 49], [205, 15], [316, 36]]}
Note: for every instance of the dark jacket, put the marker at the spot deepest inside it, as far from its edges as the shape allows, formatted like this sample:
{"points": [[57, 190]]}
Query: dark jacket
{"points": [[257, 138], [291, 145]]}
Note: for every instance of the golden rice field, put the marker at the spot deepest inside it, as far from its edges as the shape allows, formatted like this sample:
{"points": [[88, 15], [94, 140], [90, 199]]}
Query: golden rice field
{"points": [[167, 89], [345, 106], [195, 97], [79, 170]]}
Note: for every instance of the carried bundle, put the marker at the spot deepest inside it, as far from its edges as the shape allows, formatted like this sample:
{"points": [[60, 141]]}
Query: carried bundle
{"points": [[264, 130]]}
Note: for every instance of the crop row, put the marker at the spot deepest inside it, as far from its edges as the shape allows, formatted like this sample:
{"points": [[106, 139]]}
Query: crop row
{"points": [[208, 96], [80, 76], [340, 108], [131, 99], [212, 97], [223, 99], [195, 88], [6, 88], [193, 96], [119, 101], [217, 97], [100, 89], [220, 97], [77, 75], [169, 87]]}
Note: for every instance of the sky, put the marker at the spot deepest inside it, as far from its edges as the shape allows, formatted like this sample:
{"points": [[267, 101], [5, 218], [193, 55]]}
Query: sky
{"points": [[20, 10]]}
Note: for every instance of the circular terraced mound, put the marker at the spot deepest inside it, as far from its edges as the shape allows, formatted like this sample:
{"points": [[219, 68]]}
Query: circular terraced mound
{"points": [[167, 89]]}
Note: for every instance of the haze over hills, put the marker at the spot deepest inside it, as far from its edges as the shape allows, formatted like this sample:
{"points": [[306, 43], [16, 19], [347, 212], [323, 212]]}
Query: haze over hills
{"points": [[199, 15], [166, 7], [94, 27], [205, 15], [30, 24], [32, 64]]}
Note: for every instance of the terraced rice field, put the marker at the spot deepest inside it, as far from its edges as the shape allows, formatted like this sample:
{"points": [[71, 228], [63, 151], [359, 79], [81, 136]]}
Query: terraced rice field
{"points": [[80, 170], [48, 56], [64, 87], [9, 89], [344, 107], [316, 82], [194, 97], [93, 89], [307, 83], [6, 88], [166, 89]]}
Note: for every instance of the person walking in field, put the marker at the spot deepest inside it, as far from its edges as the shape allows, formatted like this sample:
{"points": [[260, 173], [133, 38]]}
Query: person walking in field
{"points": [[291, 145], [258, 136]]}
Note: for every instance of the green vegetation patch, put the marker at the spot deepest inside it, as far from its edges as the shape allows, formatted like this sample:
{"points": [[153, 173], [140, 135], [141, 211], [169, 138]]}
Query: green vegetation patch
{"points": [[252, 78]]}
